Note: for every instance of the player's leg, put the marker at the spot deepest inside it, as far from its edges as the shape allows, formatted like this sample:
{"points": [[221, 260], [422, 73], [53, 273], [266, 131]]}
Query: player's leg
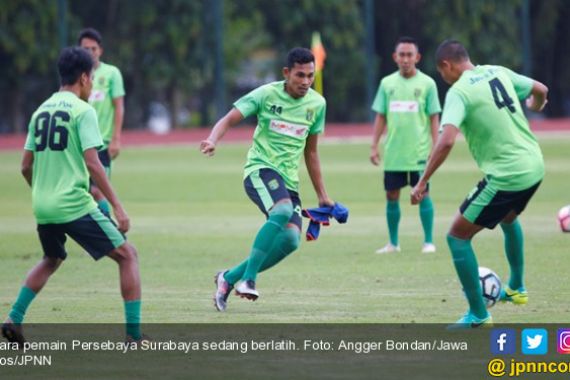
{"points": [[285, 243], [103, 204], [99, 236], [483, 208], [393, 182], [267, 190], [130, 282], [515, 291], [466, 266], [53, 244], [426, 215], [514, 251], [288, 240]]}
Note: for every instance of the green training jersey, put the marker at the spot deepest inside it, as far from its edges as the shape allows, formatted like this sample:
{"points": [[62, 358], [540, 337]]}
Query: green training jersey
{"points": [[283, 125], [60, 130], [107, 85], [407, 104], [484, 104]]}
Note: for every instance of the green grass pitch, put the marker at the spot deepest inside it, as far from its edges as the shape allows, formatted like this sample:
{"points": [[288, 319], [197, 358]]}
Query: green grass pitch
{"points": [[190, 217]]}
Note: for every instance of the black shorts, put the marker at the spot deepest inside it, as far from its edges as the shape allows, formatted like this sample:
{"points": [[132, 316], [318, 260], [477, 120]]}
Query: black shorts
{"points": [[95, 232], [486, 206], [105, 159], [265, 187], [395, 180]]}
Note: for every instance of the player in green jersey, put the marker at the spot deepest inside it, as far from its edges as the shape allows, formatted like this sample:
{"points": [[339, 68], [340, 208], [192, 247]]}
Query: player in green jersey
{"points": [[107, 97], [59, 156], [484, 104], [290, 116], [407, 105]]}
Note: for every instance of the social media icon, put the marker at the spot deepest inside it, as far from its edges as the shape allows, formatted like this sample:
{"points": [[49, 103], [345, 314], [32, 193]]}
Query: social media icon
{"points": [[534, 341], [563, 342], [503, 341]]}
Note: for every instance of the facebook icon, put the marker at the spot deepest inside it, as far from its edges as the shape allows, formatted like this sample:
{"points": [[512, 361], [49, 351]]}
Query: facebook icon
{"points": [[503, 341]]}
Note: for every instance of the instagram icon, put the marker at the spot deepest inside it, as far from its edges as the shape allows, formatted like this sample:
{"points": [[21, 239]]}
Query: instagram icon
{"points": [[563, 345]]}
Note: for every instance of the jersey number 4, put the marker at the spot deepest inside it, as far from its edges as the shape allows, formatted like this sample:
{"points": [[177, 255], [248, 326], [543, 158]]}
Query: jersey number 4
{"points": [[500, 95], [52, 131]]}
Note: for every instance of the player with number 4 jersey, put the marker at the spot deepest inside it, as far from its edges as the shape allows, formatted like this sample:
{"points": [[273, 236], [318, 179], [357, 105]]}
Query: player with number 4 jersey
{"points": [[484, 104]]}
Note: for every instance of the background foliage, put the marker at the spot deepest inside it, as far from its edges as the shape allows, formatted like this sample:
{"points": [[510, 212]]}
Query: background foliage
{"points": [[165, 48]]}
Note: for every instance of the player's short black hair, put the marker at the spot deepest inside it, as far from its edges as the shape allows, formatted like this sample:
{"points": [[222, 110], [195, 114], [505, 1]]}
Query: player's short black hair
{"points": [[407, 40], [299, 55], [451, 50], [73, 61], [92, 34]]}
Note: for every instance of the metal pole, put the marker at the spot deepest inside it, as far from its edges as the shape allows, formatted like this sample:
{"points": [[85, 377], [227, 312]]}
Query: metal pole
{"points": [[219, 58], [369, 50], [62, 22], [526, 43]]}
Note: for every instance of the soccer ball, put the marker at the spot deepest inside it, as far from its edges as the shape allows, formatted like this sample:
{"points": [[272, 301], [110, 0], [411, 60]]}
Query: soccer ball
{"points": [[564, 218], [491, 286]]}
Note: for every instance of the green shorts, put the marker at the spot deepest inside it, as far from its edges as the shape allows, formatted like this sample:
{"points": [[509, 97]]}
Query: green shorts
{"points": [[486, 206]]}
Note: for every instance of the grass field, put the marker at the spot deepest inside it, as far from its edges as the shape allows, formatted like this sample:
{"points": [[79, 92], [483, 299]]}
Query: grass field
{"points": [[191, 217]]}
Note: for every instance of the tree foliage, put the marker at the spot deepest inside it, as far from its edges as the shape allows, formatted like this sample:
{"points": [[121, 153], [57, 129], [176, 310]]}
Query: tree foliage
{"points": [[165, 49]]}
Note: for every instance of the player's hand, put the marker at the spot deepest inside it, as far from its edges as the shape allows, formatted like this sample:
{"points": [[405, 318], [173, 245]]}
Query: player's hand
{"points": [[114, 149], [374, 156], [326, 202], [124, 224], [418, 192], [531, 104], [208, 148]]}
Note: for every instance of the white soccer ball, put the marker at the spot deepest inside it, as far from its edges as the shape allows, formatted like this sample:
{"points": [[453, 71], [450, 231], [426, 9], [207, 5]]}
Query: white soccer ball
{"points": [[491, 286], [564, 218]]}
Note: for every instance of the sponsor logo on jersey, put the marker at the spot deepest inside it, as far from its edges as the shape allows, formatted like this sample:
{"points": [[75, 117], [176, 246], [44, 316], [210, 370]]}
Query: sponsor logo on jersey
{"points": [[96, 96], [288, 129], [404, 106]]}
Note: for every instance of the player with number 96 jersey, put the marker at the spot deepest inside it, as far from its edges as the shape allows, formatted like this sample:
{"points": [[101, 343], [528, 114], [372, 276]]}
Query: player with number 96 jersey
{"points": [[61, 129]]}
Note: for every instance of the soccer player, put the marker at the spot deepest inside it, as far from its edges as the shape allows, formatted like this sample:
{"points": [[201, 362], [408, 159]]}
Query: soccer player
{"points": [[290, 116], [484, 104], [107, 97], [407, 104], [59, 156]]}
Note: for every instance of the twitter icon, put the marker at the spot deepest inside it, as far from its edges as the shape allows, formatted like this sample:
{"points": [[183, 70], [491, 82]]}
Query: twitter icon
{"points": [[534, 341]]}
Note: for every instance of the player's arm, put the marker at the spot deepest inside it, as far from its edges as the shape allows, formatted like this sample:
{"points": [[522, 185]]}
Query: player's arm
{"points": [[440, 152], [97, 173], [434, 125], [538, 97], [314, 168], [379, 128], [232, 118], [28, 165], [118, 116]]}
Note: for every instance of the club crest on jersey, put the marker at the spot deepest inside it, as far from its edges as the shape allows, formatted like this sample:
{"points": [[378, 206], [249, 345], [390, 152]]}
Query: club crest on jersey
{"points": [[273, 184], [288, 129], [417, 92], [101, 81], [310, 114]]}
